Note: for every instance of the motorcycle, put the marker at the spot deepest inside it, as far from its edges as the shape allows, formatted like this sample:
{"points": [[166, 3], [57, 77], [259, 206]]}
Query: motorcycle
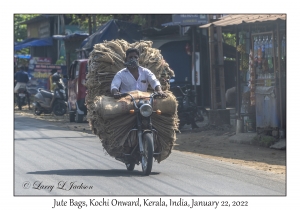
{"points": [[143, 151], [188, 111], [47, 102], [21, 95]]}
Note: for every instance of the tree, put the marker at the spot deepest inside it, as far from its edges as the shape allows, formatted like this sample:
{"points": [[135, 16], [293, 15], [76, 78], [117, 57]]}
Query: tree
{"points": [[82, 20], [20, 30], [85, 21], [229, 39]]}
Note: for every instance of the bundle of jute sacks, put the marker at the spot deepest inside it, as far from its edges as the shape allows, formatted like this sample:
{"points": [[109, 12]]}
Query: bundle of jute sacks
{"points": [[109, 118]]}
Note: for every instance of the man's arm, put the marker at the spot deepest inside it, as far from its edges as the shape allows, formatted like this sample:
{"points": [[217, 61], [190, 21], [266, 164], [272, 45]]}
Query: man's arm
{"points": [[155, 84], [153, 81], [115, 84], [51, 84], [158, 88]]}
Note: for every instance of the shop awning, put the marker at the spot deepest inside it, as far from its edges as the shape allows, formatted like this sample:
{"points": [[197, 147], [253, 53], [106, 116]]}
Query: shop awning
{"points": [[23, 56], [34, 42], [239, 19]]}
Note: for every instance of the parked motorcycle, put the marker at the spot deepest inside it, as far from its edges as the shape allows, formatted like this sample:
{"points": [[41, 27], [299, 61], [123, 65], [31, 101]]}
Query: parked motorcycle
{"points": [[143, 150], [21, 96], [188, 111], [47, 102]]}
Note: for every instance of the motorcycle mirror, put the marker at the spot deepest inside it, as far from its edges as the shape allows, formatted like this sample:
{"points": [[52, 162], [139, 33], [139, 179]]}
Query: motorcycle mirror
{"points": [[172, 80]]}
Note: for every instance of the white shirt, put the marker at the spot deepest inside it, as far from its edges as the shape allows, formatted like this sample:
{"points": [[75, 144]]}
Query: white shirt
{"points": [[126, 82]]}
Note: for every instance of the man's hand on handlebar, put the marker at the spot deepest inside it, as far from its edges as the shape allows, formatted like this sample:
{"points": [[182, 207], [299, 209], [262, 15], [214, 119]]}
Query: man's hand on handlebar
{"points": [[117, 95], [162, 94]]}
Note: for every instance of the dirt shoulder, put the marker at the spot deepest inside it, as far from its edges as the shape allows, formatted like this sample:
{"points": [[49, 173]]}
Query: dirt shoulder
{"points": [[209, 143], [216, 145]]}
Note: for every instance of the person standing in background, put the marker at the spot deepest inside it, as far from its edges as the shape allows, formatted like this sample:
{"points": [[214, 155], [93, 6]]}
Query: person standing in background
{"points": [[50, 85]]}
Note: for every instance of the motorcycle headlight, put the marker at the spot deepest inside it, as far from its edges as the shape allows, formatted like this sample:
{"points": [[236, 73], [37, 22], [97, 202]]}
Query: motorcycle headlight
{"points": [[146, 110]]}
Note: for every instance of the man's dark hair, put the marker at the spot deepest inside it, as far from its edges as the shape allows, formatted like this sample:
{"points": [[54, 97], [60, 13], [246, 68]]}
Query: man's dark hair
{"points": [[130, 50], [53, 71]]}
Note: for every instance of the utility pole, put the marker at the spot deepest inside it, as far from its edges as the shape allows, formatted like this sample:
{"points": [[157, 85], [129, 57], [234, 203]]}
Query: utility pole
{"points": [[94, 23], [194, 64], [221, 67], [62, 20], [212, 62], [90, 24]]}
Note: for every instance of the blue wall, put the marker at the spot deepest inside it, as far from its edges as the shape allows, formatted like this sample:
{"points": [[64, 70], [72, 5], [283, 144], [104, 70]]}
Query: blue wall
{"points": [[179, 61]]}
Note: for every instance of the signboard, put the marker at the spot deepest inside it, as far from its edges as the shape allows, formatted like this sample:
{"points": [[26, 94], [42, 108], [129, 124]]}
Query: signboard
{"points": [[197, 61], [187, 20], [39, 60], [39, 70]]}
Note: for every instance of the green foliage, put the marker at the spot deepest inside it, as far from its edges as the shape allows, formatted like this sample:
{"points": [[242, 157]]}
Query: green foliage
{"points": [[83, 19], [139, 19], [264, 140], [61, 61], [20, 30], [229, 39]]}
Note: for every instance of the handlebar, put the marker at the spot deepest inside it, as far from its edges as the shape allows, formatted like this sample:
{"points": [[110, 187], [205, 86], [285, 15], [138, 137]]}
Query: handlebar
{"points": [[152, 96]]}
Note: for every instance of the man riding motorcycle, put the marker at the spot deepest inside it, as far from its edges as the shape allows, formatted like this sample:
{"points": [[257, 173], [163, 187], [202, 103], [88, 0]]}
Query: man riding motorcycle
{"points": [[21, 78], [134, 77]]}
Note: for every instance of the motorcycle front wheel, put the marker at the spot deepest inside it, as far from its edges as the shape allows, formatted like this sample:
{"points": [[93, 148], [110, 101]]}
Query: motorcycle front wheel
{"points": [[147, 156], [130, 166]]}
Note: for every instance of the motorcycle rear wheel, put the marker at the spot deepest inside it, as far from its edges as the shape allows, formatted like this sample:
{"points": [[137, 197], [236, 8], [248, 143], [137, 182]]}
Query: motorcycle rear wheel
{"points": [[37, 111], [20, 103], [59, 108], [147, 157]]}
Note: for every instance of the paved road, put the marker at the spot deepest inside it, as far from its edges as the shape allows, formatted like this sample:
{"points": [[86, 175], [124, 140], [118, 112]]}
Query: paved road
{"points": [[50, 160]]}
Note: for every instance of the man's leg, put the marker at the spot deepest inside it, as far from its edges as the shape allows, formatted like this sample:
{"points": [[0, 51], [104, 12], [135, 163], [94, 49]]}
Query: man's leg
{"points": [[16, 94], [28, 99], [15, 100]]}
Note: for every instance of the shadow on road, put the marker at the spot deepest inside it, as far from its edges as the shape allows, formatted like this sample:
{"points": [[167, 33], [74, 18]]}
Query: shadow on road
{"points": [[53, 138], [28, 123], [92, 172]]}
